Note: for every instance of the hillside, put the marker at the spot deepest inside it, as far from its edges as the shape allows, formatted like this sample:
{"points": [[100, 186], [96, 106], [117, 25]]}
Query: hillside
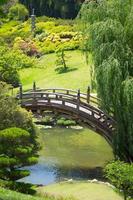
{"points": [[45, 75]]}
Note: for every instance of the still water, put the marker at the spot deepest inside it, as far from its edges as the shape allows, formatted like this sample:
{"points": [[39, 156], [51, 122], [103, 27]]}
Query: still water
{"points": [[69, 153]]}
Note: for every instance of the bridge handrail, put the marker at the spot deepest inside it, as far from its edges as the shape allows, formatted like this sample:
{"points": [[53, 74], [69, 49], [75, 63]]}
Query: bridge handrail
{"points": [[48, 94], [69, 90], [93, 99], [62, 97]]}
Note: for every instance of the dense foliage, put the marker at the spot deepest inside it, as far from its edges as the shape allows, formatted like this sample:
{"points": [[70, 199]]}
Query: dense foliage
{"points": [[3, 2], [121, 176], [50, 34], [11, 115], [18, 12], [54, 8], [16, 151], [108, 34], [18, 145], [11, 61]]}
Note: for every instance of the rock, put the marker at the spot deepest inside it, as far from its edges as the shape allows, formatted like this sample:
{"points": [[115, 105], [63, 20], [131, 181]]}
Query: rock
{"points": [[70, 180], [47, 127], [40, 126], [108, 184], [94, 181], [76, 127]]}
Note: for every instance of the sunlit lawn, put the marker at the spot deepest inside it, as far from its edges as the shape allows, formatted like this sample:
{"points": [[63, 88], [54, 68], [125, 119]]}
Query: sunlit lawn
{"points": [[46, 77], [81, 191], [11, 195]]}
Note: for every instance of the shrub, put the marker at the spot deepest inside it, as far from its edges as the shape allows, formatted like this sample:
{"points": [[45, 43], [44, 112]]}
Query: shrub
{"points": [[67, 34], [48, 120], [65, 122], [10, 62], [48, 47], [121, 176], [9, 74], [28, 47], [18, 12], [26, 188], [16, 151], [13, 115]]}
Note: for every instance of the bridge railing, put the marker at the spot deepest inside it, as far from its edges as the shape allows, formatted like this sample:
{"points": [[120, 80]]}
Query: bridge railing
{"points": [[73, 94], [41, 99], [76, 103]]}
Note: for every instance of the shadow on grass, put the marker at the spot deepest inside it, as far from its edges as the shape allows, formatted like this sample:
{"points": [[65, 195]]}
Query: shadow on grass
{"points": [[61, 70]]}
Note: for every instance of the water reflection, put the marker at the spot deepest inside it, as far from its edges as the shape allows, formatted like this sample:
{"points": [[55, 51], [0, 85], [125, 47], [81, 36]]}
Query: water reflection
{"points": [[67, 153]]}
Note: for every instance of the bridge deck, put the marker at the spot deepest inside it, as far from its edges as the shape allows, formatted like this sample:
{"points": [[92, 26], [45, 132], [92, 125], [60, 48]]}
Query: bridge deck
{"points": [[83, 106]]}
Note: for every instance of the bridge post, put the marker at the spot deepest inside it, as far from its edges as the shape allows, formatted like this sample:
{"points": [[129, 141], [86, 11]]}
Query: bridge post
{"points": [[34, 90], [88, 94], [78, 99], [20, 91], [34, 86]]}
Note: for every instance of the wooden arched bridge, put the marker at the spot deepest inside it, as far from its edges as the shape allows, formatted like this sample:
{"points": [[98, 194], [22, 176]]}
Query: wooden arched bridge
{"points": [[79, 106]]}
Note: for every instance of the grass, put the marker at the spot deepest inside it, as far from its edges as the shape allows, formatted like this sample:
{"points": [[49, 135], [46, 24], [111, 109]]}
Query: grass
{"points": [[46, 76], [11, 195], [81, 191]]}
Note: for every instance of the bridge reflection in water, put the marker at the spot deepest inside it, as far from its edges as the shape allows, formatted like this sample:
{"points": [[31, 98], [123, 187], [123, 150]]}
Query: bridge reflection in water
{"points": [[78, 105]]}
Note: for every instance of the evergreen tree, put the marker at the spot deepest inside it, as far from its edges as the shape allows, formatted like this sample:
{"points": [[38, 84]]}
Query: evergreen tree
{"points": [[16, 151]]}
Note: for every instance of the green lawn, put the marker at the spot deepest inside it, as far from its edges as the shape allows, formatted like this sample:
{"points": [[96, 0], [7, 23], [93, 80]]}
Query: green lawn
{"points": [[11, 195], [46, 77], [81, 191]]}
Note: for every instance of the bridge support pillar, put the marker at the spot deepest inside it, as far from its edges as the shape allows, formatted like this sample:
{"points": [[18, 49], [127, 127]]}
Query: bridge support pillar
{"points": [[20, 91], [78, 99], [88, 94], [34, 93]]}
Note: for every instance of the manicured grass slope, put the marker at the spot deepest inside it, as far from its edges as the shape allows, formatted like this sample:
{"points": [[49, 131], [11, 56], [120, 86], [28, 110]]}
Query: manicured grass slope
{"points": [[46, 76], [11, 195], [81, 191]]}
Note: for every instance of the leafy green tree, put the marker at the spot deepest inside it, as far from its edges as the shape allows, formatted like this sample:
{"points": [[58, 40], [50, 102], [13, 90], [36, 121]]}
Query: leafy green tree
{"points": [[16, 151], [11, 61], [11, 115], [121, 176], [7, 108], [107, 32], [18, 12], [61, 60]]}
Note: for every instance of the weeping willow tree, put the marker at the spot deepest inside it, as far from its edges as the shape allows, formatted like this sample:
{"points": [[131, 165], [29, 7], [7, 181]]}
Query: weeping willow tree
{"points": [[107, 28]]}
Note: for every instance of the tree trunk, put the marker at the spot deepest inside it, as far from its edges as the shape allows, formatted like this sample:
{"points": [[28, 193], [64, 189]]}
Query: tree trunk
{"points": [[125, 195]]}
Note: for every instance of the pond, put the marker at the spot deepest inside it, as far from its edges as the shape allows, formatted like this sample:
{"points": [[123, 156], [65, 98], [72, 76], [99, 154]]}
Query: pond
{"points": [[69, 154]]}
